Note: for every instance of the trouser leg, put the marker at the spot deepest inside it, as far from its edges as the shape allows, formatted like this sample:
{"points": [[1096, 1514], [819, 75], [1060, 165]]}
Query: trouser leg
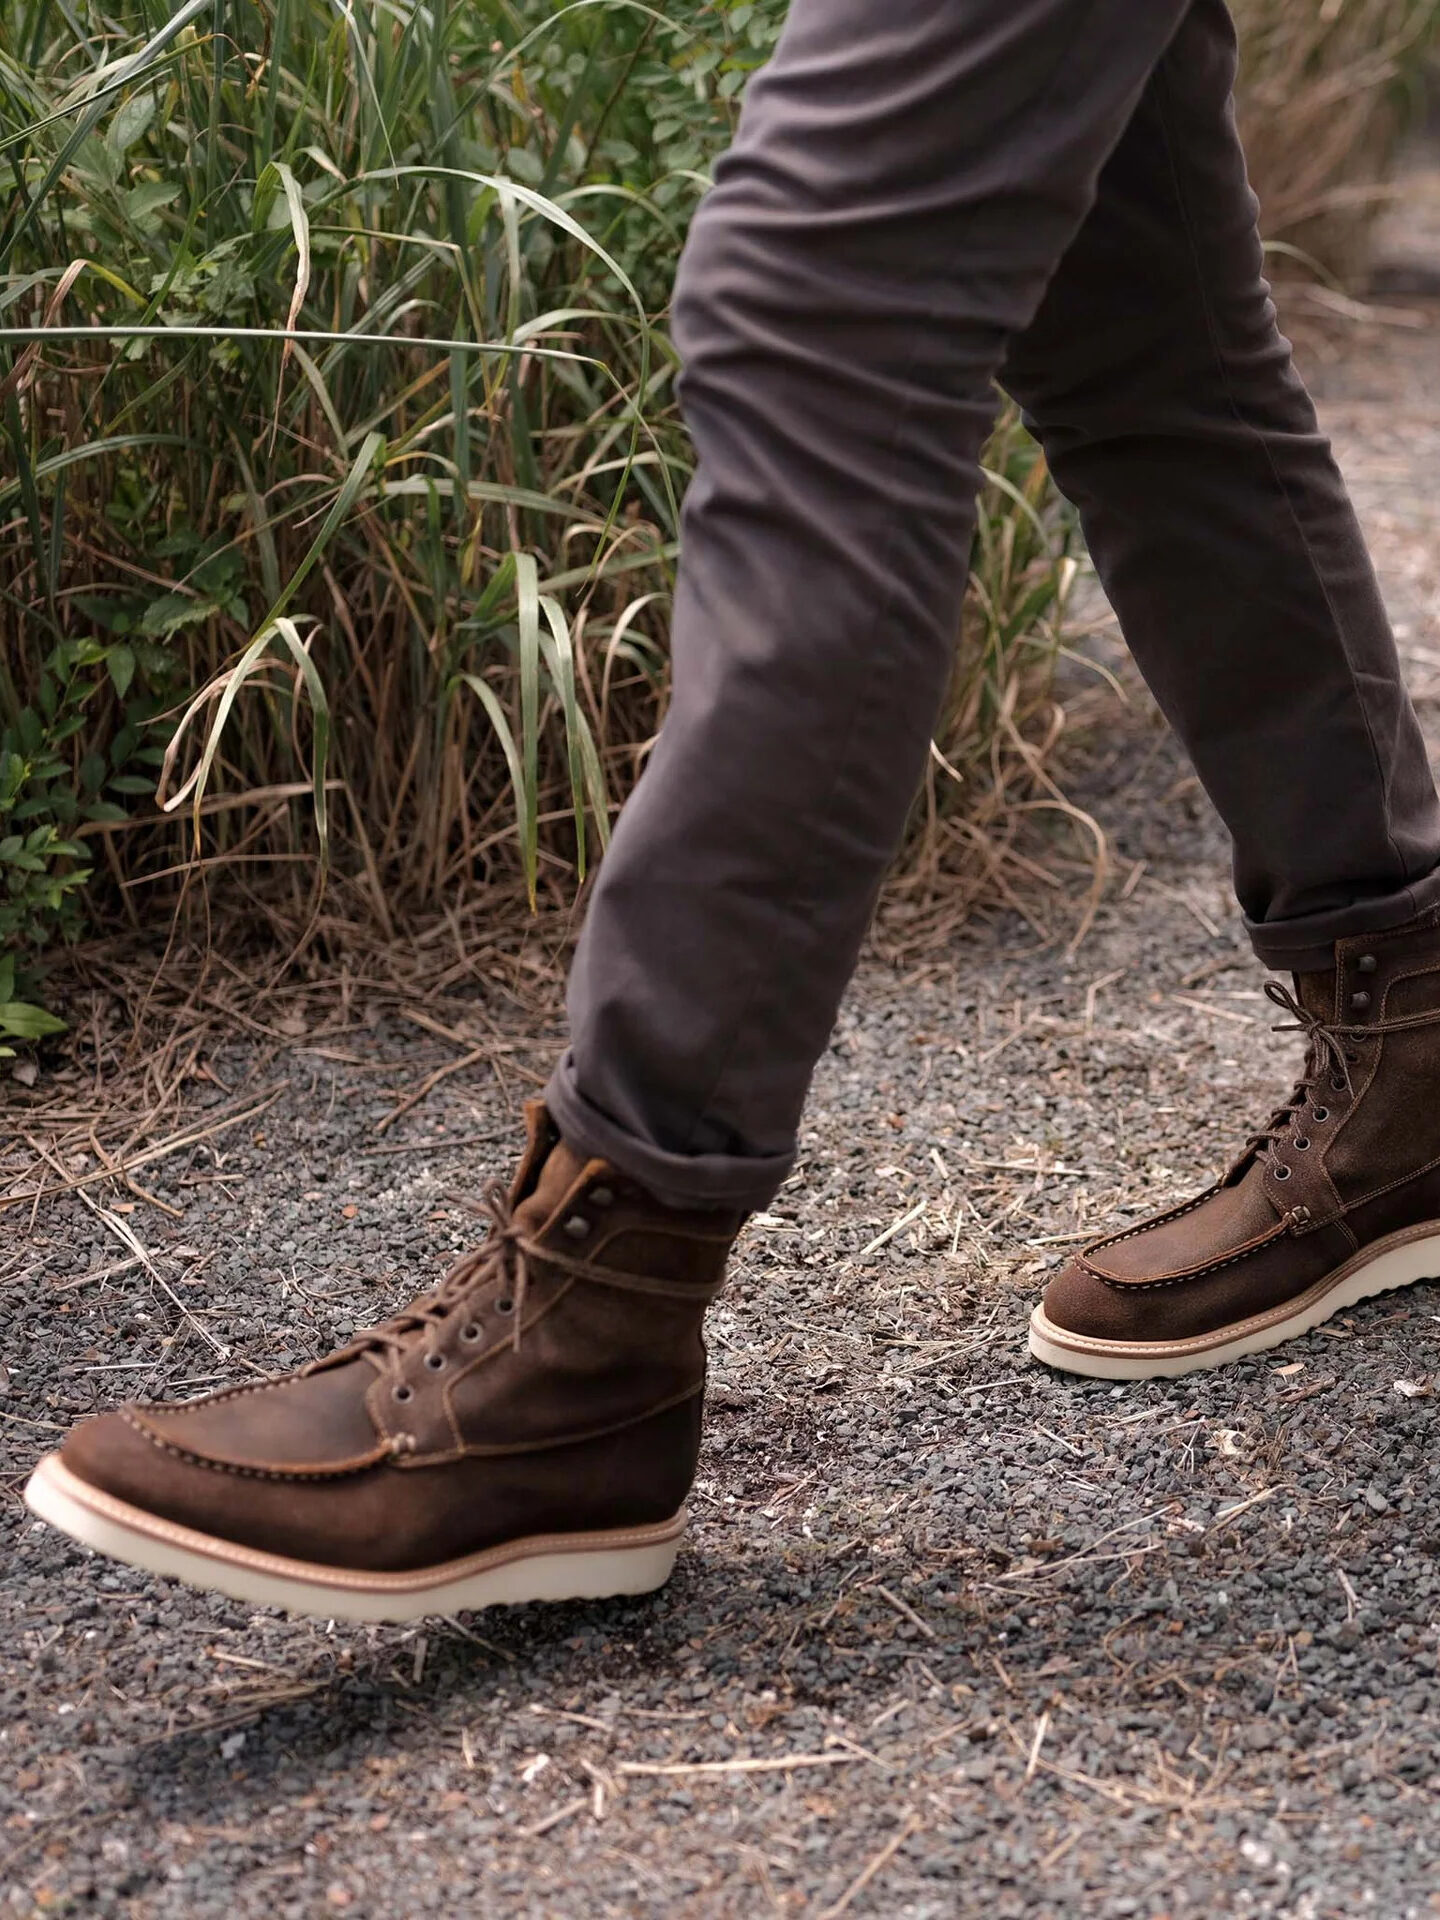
{"points": [[1157, 380], [906, 176]]}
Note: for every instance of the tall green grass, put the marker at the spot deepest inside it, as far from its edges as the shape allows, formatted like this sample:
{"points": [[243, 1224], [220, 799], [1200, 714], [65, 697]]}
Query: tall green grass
{"points": [[390, 592], [393, 590]]}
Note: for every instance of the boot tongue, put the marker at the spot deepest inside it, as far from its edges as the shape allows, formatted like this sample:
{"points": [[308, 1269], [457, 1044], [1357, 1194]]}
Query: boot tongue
{"points": [[557, 1177], [1316, 993], [547, 1172]]}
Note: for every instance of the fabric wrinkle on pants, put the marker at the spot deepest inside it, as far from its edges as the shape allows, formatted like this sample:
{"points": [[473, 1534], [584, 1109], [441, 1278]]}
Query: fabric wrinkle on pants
{"points": [[923, 197]]}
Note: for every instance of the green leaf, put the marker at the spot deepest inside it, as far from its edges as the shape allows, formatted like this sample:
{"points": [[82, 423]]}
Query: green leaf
{"points": [[488, 699], [320, 707], [172, 612], [120, 662], [142, 203], [586, 774], [527, 587], [131, 122], [25, 1022]]}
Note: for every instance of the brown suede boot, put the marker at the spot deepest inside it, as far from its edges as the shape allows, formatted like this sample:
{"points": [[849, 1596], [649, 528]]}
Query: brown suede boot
{"points": [[1337, 1199], [527, 1432]]}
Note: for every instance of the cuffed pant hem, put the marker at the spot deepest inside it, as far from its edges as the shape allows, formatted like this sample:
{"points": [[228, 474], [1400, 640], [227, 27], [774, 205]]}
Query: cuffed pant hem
{"points": [[1307, 944], [675, 1179]]}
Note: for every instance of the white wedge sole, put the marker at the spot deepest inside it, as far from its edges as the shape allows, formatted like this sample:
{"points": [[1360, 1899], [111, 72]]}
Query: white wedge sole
{"points": [[577, 1566], [1397, 1261]]}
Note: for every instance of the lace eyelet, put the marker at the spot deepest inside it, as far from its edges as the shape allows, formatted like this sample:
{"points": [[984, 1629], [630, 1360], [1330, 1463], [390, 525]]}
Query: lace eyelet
{"points": [[1282, 1173], [470, 1333], [602, 1196], [435, 1362], [1300, 1146], [1338, 1085], [506, 1305], [1322, 1113], [402, 1393], [576, 1227]]}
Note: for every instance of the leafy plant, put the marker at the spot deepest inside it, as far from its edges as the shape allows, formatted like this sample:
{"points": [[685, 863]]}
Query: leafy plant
{"points": [[459, 476], [41, 871], [340, 464], [54, 787]]}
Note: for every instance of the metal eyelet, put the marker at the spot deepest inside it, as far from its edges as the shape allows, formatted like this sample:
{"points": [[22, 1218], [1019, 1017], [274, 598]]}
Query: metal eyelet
{"points": [[1338, 1085], [576, 1227], [1282, 1173], [1367, 963], [602, 1196], [471, 1333], [1300, 1146], [507, 1305], [435, 1362], [1322, 1113], [402, 1393]]}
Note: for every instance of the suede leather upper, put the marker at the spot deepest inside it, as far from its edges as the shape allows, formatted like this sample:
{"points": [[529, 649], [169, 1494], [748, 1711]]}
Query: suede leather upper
{"points": [[553, 1383], [1354, 1156]]}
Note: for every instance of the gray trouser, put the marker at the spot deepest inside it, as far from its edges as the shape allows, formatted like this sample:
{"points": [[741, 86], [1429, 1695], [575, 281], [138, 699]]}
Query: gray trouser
{"points": [[925, 197]]}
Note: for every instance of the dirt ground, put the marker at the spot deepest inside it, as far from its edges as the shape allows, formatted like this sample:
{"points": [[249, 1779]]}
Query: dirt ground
{"points": [[950, 1635]]}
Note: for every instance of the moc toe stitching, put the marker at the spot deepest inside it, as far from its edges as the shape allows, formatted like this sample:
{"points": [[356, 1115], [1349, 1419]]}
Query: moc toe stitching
{"points": [[1154, 1220], [1122, 1286], [245, 1469], [247, 1389], [178, 1408]]}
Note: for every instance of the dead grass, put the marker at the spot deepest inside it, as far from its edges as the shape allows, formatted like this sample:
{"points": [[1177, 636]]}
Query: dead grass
{"points": [[1328, 89]]}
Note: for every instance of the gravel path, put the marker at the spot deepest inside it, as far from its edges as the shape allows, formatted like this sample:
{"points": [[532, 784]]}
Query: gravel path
{"points": [[951, 1635]]}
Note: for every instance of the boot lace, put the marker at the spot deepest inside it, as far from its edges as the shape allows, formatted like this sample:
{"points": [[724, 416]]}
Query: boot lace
{"points": [[500, 1256], [1329, 1056]]}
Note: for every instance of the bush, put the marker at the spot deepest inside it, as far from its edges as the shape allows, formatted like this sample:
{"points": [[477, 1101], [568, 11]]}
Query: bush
{"points": [[420, 556], [395, 591]]}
